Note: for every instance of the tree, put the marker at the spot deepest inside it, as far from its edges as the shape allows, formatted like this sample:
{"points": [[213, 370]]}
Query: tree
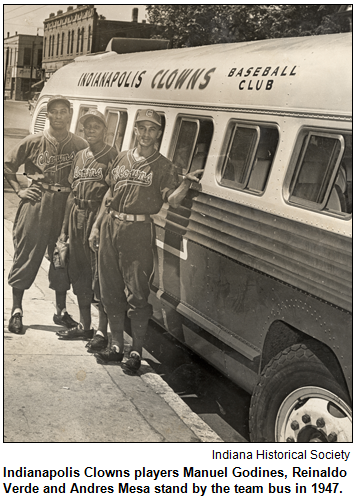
{"points": [[193, 25]]}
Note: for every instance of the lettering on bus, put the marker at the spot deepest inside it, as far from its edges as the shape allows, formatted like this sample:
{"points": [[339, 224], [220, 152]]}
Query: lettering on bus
{"points": [[108, 79], [166, 78], [268, 71]]}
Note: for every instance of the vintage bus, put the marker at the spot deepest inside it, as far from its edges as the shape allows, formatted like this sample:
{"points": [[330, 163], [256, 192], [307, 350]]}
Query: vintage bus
{"points": [[253, 271]]}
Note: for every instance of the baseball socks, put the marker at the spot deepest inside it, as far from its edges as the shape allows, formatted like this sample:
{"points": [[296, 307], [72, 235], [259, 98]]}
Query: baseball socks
{"points": [[62, 317], [115, 350], [138, 330], [15, 323]]}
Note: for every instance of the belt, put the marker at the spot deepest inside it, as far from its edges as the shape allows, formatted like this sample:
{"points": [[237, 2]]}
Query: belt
{"points": [[85, 204], [55, 187], [130, 217]]}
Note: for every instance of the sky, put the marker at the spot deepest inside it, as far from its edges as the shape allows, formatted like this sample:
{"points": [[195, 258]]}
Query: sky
{"points": [[27, 19]]}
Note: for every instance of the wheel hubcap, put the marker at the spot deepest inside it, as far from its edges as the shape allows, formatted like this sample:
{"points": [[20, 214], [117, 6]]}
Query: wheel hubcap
{"points": [[313, 415]]}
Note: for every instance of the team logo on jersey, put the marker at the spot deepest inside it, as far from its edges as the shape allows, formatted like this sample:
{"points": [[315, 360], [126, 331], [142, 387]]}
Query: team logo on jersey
{"points": [[136, 177], [88, 174], [58, 161]]}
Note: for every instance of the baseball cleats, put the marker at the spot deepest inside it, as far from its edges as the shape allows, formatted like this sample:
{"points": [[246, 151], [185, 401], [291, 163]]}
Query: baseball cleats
{"points": [[133, 363], [109, 355], [76, 333], [97, 344], [15, 323], [65, 320]]}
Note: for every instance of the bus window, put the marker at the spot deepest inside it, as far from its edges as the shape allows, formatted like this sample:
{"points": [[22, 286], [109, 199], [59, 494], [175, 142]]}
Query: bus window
{"points": [[158, 143], [323, 178], [193, 139], [249, 156], [79, 128], [117, 121]]}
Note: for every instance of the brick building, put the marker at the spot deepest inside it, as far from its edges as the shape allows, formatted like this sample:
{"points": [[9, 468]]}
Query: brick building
{"points": [[80, 31], [22, 65]]}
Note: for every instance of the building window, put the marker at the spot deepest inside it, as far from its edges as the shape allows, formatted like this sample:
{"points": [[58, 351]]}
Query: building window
{"points": [[39, 58], [62, 44], [68, 45], [27, 57], [72, 43], [78, 40], [44, 46], [82, 41], [89, 35], [58, 38]]}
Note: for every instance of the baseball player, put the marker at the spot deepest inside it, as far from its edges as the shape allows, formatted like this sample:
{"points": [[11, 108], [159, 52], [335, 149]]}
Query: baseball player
{"points": [[87, 177], [47, 158], [140, 181]]}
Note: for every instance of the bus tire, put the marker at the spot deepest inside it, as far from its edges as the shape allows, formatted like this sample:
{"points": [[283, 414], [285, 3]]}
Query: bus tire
{"points": [[297, 399]]}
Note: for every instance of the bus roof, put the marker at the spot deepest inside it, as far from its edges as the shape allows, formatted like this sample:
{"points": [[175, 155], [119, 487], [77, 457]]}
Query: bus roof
{"points": [[284, 76]]}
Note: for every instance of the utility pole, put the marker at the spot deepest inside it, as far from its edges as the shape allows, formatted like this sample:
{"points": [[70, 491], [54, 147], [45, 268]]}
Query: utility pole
{"points": [[32, 51]]}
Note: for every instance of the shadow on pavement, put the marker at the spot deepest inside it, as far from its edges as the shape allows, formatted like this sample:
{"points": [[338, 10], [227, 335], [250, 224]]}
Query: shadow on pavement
{"points": [[205, 390]]}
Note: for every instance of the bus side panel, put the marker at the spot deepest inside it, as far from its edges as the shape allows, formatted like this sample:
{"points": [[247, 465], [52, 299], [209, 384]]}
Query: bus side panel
{"points": [[230, 330], [206, 274]]}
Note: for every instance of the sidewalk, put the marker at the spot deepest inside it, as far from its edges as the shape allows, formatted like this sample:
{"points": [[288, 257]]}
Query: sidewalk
{"points": [[54, 391]]}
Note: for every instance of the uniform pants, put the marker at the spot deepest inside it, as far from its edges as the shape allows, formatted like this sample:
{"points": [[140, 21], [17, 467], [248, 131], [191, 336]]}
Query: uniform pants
{"points": [[125, 268], [36, 228], [82, 267]]}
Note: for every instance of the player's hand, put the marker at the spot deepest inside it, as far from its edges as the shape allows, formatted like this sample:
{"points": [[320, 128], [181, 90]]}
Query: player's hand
{"points": [[32, 193], [195, 176], [94, 239]]}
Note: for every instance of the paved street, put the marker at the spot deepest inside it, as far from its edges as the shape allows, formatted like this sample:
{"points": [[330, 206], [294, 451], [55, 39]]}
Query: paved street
{"points": [[63, 395]]}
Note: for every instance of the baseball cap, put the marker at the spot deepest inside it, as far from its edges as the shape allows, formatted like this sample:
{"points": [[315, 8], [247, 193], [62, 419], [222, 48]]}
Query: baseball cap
{"points": [[93, 113], [148, 115], [58, 98]]}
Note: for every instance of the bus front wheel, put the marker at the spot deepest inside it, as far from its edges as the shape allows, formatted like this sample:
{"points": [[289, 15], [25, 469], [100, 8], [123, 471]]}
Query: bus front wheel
{"points": [[297, 399]]}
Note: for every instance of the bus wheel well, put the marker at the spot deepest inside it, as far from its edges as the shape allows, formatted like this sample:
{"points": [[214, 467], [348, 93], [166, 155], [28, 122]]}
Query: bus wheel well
{"points": [[282, 335]]}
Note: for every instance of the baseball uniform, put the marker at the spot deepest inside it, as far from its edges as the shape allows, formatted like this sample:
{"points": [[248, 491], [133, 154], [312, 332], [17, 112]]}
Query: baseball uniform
{"points": [[38, 224], [138, 187], [88, 180]]}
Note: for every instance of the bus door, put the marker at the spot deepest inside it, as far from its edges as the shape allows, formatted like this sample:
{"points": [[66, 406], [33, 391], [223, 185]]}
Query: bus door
{"points": [[189, 152]]}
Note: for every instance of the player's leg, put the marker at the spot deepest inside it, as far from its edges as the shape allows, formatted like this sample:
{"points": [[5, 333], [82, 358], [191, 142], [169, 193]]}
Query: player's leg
{"points": [[100, 339], [112, 289], [15, 323], [103, 320], [30, 236], [79, 271], [137, 265], [59, 278]]}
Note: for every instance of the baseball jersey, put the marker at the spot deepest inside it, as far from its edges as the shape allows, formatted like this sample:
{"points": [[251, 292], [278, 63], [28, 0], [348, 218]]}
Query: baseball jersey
{"points": [[141, 186], [44, 158], [89, 171]]}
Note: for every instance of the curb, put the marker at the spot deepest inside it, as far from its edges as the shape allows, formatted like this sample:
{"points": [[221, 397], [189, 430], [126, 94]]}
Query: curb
{"points": [[191, 419]]}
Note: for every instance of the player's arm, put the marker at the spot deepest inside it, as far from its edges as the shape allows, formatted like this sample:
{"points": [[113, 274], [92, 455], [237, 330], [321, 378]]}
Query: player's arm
{"points": [[64, 232], [176, 198], [95, 231], [13, 161]]}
